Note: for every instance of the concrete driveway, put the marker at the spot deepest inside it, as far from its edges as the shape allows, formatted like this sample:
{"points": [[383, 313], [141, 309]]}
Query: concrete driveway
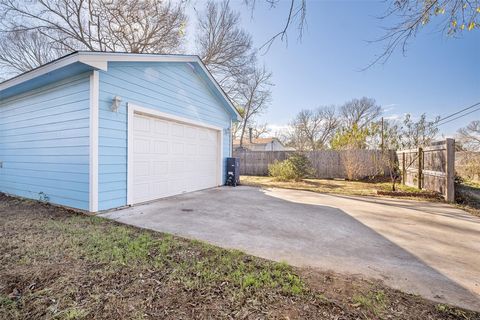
{"points": [[431, 249]]}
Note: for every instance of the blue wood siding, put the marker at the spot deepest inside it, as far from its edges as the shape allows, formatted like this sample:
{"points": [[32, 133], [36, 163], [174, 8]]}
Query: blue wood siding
{"points": [[173, 88], [44, 143]]}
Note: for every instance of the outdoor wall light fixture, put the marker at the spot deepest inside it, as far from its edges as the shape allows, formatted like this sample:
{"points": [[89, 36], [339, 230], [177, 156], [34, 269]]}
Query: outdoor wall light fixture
{"points": [[115, 103]]}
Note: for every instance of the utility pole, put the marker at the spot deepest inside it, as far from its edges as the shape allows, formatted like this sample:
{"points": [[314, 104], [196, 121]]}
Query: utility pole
{"points": [[382, 136]]}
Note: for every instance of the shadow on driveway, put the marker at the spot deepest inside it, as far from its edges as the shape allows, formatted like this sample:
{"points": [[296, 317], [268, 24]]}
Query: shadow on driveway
{"points": [[345, 234]]}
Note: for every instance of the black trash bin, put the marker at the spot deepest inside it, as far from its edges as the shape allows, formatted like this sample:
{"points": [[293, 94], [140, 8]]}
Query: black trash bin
{"points": [[233, 172]]}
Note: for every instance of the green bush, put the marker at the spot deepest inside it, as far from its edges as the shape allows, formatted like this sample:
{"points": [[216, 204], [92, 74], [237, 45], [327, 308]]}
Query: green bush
{"points": [[296, 167], [281, 170]]}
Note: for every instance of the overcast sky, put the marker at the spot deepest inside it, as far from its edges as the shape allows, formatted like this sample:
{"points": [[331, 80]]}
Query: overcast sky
{"points": [[438, 75]]}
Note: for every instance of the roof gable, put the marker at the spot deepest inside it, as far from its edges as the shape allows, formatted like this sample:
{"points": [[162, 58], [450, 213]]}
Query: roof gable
{"points": [[99, 61]]}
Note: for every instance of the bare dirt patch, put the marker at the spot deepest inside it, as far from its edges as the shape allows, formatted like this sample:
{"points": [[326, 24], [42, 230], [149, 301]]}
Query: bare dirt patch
{"points": [[57, 264]]}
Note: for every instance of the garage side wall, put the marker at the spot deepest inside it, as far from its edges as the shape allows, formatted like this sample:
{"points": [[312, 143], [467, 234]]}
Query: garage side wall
{"points": [[44, 143], [168, 87]]}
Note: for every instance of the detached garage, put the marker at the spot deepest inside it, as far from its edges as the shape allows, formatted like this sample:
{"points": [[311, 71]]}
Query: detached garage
{"points": [[96, 131]]}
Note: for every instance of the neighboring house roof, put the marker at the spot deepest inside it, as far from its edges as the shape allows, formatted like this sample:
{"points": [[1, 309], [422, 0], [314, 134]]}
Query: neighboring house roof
{"points": [[81, 61], [246, 142]]}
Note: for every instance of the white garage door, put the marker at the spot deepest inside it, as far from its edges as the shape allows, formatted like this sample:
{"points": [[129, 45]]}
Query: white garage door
{"points": [[170, 158]]}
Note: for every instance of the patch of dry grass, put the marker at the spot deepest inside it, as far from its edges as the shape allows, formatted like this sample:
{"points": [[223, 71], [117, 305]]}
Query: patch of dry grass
{"points": [[60, 265], [359, 188]]}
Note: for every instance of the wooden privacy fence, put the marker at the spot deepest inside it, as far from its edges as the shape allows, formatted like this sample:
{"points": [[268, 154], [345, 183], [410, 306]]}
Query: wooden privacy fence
{"points": [[328, 164], [431, 168]]}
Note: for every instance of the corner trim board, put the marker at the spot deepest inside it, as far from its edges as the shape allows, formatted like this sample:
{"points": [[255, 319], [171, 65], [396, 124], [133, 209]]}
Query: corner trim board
{"points": [[93, 160], [130, 111]]}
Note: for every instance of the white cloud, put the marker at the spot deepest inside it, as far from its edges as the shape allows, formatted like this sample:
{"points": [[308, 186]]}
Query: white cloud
{"points": [[389, 107]]}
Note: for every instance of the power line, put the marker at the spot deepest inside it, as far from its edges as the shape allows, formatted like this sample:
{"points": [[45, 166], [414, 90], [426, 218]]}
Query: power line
{"points": [[463, 115], [455, 113]]}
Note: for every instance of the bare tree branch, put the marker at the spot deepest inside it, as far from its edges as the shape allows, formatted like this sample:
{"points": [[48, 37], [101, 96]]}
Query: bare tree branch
{"points": [[469, 136], [297, 13], [254, 96], [360, 112], [21, 51], [224, 46], [98, 25], [259, 130], [313, 129], [452, 16]]}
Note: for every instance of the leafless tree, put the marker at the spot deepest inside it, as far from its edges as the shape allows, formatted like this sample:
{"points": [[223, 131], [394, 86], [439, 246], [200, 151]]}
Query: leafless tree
{"points": [[98, 25], [360, 112], [21, 51], [453, 17], [469, 136], [223, 45], [313, 129], [254, 95], [292, 137], [259, 130]]}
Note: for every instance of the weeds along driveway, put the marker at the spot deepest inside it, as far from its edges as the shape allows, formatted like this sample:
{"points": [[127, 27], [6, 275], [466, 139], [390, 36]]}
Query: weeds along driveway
{"points": [[430, 249]]}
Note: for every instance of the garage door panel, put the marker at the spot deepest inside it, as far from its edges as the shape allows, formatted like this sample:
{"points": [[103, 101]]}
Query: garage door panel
{"points": [[160, 188], [171, 158], [159, 168], [190, 166], [177, 147], [141, 145], [176, 129], [190, 149], [176, 167], [160, 127], [141, 191], [202, 135], [207, 150], [141, 124], [190, 132], [160, 146], [178, 186], [141, 168]]}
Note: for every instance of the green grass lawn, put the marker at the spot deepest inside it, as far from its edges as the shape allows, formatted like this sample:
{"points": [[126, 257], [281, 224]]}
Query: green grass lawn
{"points": [[57, 264]]}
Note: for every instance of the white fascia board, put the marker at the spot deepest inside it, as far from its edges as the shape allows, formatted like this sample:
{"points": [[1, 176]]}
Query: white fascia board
{"points": [[136, 57], [95, 63], [100, 60]]}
